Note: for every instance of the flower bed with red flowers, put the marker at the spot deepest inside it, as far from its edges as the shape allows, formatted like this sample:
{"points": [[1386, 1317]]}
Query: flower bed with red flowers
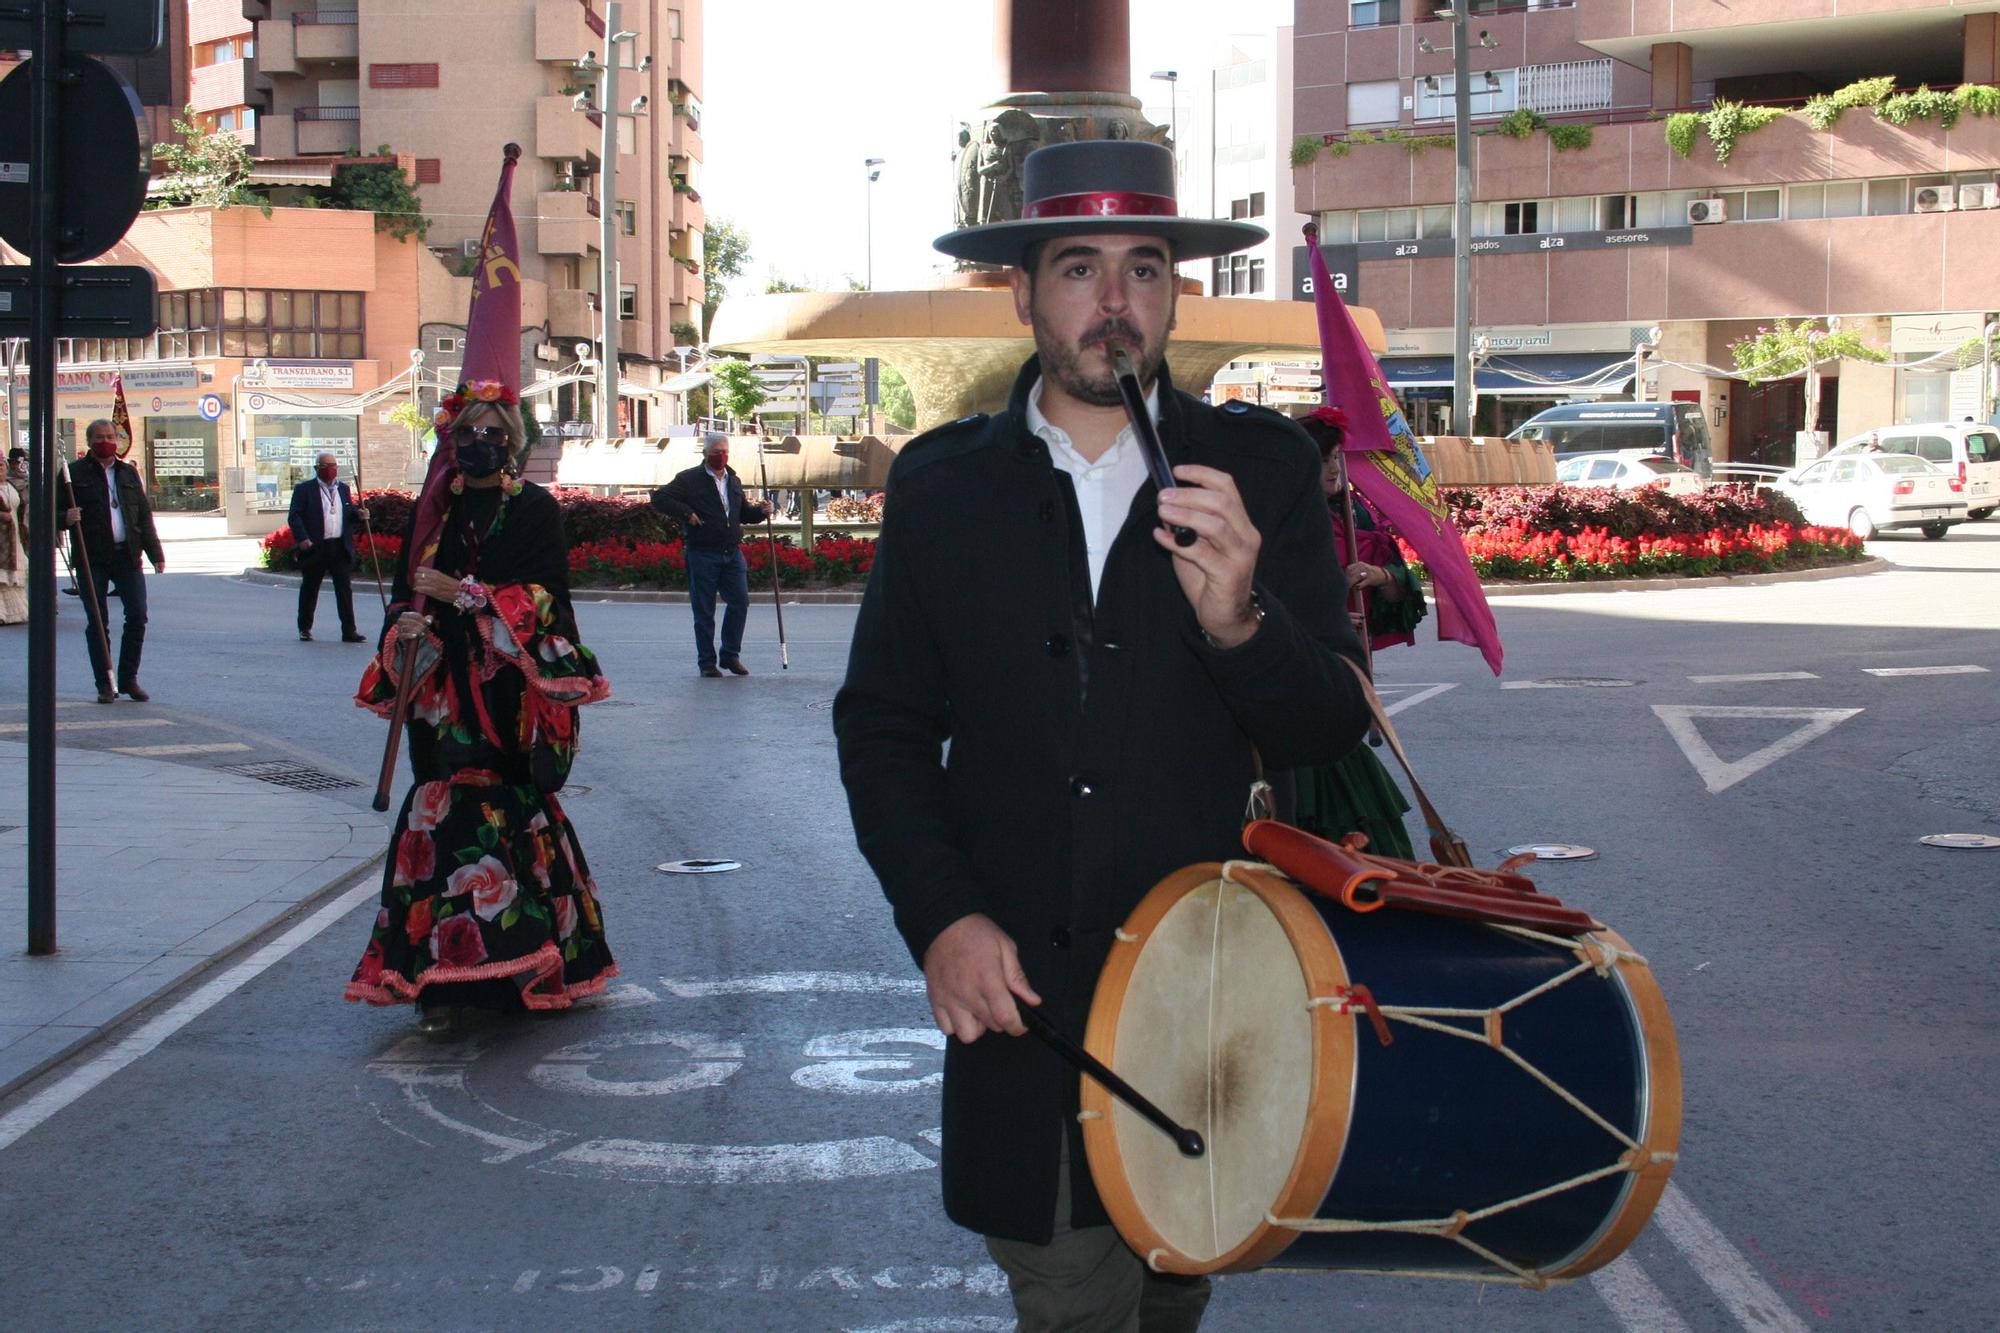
{"points": [[1514, 551], [280, 551]]}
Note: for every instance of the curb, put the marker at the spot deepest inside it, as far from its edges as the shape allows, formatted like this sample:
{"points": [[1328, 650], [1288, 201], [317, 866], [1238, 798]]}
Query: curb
{"points": [[844, 597], [195, 974], [584, 596]]}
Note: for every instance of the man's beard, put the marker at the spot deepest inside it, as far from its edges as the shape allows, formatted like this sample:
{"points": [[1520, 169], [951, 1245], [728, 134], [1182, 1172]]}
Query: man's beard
{"points": [[1064, 363]]}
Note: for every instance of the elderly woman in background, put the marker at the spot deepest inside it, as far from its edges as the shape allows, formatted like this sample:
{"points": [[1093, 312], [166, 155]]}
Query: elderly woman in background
{"points": [[13, 540], [487, 901]]}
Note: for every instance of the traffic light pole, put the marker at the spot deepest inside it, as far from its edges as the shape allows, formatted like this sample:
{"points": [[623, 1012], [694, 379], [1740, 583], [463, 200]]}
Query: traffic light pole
{"points": [[44, 293]]}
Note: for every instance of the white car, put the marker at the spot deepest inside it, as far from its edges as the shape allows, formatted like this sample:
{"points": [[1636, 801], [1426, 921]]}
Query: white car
{"points": [[1628, 472], [1868, 493], [1970, 450]]}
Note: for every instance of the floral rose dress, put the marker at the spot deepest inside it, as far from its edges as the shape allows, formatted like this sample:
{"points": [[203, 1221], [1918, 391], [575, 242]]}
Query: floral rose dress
{"points": [[486, 898]]}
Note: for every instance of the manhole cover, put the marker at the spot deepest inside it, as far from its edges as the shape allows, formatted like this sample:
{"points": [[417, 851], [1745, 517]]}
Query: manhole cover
{"points": [[1552, 851], [820, 705], [697, 866], [1963, 842], [283, 773], [576, 789]]}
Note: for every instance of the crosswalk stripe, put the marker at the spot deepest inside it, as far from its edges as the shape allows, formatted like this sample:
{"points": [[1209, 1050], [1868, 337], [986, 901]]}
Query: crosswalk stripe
{"points": [[125, 724], [1926, 671], [162, 751], [1749, 677], [1723, 1267], [1641, 1307]]}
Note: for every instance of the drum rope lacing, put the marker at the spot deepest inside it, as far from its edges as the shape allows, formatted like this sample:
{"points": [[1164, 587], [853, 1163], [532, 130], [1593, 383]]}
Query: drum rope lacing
{"points": [[1594, 956]]}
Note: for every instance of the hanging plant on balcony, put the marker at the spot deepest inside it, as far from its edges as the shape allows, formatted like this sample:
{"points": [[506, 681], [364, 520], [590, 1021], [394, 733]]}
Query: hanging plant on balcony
{"points": [[1305, 150], [1682, 126], [1823, 110], [1570, 138], [1521, 123], [1727, 122]]}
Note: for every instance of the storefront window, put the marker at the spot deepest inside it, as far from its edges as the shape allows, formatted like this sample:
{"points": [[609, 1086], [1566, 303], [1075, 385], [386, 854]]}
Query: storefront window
{"points": [[180, 464], [288, 446]]}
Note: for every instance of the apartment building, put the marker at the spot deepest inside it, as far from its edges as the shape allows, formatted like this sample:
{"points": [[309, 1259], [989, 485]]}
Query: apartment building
{"points": [[1588, 240], [447, 83]]}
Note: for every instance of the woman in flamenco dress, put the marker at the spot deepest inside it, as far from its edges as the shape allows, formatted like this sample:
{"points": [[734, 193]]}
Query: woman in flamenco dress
{"points": [[1355, 794], [487, 901]]}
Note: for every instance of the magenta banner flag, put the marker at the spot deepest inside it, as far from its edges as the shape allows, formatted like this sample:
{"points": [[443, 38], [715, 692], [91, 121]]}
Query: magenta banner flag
{"points": [[1385, 465]]}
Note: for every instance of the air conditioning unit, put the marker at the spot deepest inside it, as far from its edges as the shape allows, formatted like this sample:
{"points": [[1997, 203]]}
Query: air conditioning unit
{"points": [[469, 247], [1934, 199], [1979, 196], [1702, 211]]}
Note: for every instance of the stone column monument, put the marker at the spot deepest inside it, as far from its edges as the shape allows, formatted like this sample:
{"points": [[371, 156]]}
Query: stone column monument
{"points": [[1065, 70]]}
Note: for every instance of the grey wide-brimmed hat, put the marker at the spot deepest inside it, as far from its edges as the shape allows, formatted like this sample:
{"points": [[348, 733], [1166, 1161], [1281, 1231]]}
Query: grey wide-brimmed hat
{"points": [[1120, 186]]}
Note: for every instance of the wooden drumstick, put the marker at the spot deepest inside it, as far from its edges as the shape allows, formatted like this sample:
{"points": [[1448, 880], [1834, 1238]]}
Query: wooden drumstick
{"points": [[1185, 1139]]}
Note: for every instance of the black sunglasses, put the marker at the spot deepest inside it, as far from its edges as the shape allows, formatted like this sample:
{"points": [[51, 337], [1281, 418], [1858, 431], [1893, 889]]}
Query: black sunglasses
{"points": [[483, 434]]}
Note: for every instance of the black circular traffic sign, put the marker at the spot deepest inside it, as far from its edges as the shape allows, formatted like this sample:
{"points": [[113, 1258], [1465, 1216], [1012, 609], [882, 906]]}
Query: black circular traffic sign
{"points": [[104, 156]]}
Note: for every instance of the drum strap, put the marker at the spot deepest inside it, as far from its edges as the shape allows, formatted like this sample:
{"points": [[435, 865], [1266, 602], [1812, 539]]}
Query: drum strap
{"points": [[1447, 848]]}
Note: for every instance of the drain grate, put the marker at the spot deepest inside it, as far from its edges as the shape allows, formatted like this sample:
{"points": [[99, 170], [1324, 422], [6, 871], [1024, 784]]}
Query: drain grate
{"points": [[284, 773], [700, 865]]}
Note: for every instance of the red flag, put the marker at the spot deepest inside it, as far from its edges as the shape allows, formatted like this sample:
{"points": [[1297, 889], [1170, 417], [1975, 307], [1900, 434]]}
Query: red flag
{"points": [[121, 417], [1386, 466], [492, 370]]}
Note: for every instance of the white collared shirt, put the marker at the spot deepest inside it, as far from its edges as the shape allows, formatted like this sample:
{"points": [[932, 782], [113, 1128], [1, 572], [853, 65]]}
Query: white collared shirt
{"points": [[1104, 489], [117, 507], [329, 508], [721, 480]]}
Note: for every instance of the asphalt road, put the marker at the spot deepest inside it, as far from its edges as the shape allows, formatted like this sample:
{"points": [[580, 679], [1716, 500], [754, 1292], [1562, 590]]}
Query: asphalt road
{"points": [[737, 1137]]}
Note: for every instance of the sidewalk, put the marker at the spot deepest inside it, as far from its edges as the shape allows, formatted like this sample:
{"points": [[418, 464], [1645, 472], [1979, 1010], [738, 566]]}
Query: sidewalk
{"points": [[161, 870]]}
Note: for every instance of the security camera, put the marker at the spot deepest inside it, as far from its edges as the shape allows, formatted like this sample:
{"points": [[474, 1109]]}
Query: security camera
{"points": [[588, 62], [639, 104], [645, 63], [581, 102]]}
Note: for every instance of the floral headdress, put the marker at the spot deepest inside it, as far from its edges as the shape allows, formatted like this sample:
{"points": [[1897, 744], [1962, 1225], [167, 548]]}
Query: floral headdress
{"points": [[471, 392]]}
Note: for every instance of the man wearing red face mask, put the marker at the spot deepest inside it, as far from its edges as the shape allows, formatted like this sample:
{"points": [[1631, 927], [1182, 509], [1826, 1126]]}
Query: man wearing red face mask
{"points": [[111, 523], [323, 519]]}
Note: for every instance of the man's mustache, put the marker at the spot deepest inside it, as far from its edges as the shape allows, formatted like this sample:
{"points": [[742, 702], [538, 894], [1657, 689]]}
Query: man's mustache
{"points": [[1113, 330]]}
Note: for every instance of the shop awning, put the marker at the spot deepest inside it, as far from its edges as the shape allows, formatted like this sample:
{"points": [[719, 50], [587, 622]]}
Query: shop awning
{"points": [[1530, 375]]}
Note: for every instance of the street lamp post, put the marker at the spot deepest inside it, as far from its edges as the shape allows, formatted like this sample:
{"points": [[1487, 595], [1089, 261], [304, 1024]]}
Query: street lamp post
{"points": [[873, 165], [1461, 249], [608, 297]]}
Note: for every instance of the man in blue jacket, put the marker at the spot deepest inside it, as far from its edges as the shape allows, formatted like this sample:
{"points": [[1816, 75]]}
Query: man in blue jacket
{"points": [[323, 519], [708, 503]]}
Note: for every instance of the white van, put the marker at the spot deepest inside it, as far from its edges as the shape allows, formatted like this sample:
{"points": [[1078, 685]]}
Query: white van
{"points": [[1966, 448]]}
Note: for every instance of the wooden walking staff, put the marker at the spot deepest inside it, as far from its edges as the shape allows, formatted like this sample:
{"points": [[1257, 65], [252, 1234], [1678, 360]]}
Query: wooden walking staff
{"points": [[375, 560], [94, 609], [771, 532]]}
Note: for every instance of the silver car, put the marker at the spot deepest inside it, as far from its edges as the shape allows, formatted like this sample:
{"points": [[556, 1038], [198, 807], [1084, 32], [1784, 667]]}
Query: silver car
{"points": [[1868, 493]]}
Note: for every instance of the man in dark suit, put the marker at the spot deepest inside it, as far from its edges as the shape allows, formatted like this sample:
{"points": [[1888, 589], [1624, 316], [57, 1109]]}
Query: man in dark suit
{"points": [[323, 518], [111, 523], [708, 503]]}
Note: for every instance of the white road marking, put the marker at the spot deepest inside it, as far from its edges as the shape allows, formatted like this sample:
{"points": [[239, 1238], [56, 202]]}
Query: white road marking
{"points": [[1720, 776], [1723, 1267], [1926, 671], [649, 1277], [786, 983], [1576, 684], [979, 1323], [161, 751], [1750, 677], [710, 1062], [147, 1038], [108, 724], [739, 1164], [847, 1056], [1412, 700], [1641, 1307]]}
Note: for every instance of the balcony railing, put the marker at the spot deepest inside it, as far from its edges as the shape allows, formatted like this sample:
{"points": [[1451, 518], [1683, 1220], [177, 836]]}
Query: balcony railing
{"points": [[307, 18], [1572, 85], [327, 113]]}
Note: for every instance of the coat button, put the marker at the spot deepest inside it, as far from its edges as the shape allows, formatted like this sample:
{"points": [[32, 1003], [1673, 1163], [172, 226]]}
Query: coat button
{"points": [[1057, 645], [1059, 938], [1048, 511], [1080, 786]]}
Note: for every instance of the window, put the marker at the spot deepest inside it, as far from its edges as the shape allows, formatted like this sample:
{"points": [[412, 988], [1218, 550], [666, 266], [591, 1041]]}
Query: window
{"points": [[1377, 103], [1759, 206], [1370, 225], [446, 345], [1618, 212], [307, 325], [1843, 199], [1336, 228], [628, 134], [402, 76], [1437, 221], [1256, 276], [1577, 213], [225, 120], [1253, 207], [628, 301], [1888, 197], [1805, 202], [1603, 469], [1847, 469], [674, 24], [628, 217], [1522, 219], [1368, 13], [430, 170], [1494, 93]]}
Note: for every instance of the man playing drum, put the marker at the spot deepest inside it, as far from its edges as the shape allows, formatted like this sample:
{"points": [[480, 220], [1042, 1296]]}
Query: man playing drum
{"points": [[1107, 694]]}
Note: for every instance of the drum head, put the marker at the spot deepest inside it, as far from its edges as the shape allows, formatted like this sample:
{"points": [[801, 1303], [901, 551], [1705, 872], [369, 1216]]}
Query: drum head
{"points": [[1206, 1012]]}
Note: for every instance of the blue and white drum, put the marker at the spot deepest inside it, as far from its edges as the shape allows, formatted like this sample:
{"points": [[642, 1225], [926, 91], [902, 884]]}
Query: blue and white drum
{"points": [[1385, 1091]]}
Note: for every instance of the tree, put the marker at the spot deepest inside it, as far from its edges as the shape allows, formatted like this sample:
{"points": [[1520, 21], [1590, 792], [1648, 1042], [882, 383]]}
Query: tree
{"points": [[778, 282], [204, 170], [381, 188], [725, 254], [899, 405], [736, 390]]}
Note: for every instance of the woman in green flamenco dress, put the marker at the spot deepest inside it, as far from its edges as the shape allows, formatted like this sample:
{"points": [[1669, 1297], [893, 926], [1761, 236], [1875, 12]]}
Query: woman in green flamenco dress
{"points": [[487, 901], [1356, 794]]}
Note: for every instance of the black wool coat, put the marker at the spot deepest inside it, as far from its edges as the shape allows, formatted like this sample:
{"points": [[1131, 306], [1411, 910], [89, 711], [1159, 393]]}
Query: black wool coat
{"points": [[1094, 748], [83, 488]]}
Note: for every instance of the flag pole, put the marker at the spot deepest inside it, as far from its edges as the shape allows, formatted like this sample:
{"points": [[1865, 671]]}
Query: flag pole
{"points": [[771, 533]]}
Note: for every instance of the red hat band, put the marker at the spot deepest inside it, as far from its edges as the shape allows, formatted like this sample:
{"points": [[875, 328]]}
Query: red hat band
{"points": [[1102, 204]]}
